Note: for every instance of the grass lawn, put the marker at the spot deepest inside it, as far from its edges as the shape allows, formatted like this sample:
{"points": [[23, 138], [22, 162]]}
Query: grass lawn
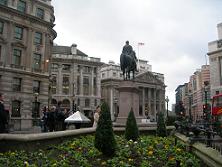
{"points": [[148, 151]]}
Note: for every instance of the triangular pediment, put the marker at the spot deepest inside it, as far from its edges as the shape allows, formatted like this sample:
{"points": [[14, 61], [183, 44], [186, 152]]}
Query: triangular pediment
{"points": [[148, 77]]}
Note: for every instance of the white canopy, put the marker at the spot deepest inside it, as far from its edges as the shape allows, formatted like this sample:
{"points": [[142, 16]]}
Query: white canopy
{"points": [[77, 117]]}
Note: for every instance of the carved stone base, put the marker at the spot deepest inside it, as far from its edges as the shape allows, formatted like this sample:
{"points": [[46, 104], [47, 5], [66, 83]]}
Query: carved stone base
{"points": [[128, 98]]}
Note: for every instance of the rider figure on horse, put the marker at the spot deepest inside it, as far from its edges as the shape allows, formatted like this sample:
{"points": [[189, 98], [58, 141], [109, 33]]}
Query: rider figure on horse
{"points": [[128, 50]]}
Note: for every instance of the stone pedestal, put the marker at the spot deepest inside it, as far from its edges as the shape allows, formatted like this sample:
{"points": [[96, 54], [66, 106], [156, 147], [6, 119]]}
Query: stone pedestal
{"points": [[128, 98]]}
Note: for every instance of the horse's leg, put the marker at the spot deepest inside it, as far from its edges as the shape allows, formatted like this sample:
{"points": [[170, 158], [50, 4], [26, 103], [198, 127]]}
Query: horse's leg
{"points": [[129, 75]]}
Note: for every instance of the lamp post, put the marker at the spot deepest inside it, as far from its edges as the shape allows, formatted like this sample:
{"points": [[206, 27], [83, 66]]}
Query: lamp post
{"points": [[206, 83], [35, 114], [167, 101], [190, 115]]}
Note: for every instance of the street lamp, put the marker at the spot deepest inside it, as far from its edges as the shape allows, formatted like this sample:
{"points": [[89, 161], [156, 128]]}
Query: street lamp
{"points": [[36, 108], [206, 83], [167, 101], [190, 115]]}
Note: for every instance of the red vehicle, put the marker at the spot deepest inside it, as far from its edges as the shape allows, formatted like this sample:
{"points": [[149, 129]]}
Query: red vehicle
{"points": [[216, 112], [217, 105]]}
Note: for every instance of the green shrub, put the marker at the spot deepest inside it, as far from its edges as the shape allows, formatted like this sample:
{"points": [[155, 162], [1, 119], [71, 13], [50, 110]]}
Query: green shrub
{"points": [[104, 136], [161, 127], [131, 131]]}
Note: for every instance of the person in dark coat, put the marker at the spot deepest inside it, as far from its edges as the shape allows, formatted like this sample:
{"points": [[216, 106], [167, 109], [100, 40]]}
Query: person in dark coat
{"points": [[3, 115], [51, 119]]}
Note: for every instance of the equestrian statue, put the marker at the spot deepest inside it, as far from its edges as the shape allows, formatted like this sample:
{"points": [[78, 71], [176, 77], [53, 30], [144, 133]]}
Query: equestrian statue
{"points": [[128, 61]]}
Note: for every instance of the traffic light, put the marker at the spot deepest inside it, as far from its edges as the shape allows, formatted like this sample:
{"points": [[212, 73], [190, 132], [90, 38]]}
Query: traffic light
{"points": [[206, 111]]}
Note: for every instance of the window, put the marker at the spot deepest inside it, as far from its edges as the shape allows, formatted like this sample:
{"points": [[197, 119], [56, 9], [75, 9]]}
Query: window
{"points": [[38, 38], [54, 66], [79, 68], [78, 85], [16, 59], [21, 6], [3, 2], [16, 84], [36, 61], [86, 85], [16, 107], [94, 86], [36, 86], [66, 67], [40, 13], [53, 84], [18, 32], [95, 70], [86, 69], [103, 75], [65, 84], [1, 27], [87, 102], [78, 102], [114, 74]]}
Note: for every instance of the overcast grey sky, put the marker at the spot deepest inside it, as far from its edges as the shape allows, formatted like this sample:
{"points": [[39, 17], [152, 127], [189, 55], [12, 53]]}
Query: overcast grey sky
{"points": [[175, 32]]}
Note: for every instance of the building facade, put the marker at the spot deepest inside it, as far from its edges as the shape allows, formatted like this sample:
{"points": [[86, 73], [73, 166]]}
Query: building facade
{"points": [[195, 93], [215, 59], [75, 79], [26, 38], [151, 91]]}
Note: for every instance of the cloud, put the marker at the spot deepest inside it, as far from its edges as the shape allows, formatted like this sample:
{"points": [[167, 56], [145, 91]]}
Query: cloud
{"points": [[175, 33]]}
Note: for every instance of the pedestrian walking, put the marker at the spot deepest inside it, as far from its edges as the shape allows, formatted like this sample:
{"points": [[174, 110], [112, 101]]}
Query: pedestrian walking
{"points": [[96, 116], [51, 119]]}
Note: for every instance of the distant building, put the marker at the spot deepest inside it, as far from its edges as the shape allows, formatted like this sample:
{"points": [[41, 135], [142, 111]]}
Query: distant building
{"points": [[215, 59], [192, 94], [26, 38], [75, 79], [144, 66], [151, 86]]}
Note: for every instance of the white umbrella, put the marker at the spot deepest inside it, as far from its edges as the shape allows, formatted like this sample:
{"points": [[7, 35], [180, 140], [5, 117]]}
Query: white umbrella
{"points": [[77, 117]]}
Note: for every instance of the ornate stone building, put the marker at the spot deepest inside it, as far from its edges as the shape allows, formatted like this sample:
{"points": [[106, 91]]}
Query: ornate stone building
{"points": [[151, 91], [26, 38], [215, 59], [75, 79]]}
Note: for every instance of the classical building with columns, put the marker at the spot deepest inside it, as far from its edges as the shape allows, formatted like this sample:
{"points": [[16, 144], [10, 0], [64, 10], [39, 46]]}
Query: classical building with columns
{"points": [[215, 59], [26, 39], [151, 90], [75, 79]]}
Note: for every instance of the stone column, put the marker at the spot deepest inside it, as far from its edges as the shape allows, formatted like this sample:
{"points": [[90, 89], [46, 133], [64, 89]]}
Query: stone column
{"points": [[81, 82], [154, 103], [143, 102], [111, 103], [92, 85]]}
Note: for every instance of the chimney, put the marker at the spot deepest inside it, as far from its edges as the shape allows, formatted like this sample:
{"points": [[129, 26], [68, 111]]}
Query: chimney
{"points": [[74, 49]]}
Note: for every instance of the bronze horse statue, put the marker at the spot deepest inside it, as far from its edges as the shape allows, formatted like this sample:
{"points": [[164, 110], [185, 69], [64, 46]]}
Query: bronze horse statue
{"points": [[128, 64]]}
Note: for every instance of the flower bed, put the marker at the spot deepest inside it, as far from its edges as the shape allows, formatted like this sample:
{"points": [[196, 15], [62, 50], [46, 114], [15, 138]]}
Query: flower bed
{"points": [[148, 151]]}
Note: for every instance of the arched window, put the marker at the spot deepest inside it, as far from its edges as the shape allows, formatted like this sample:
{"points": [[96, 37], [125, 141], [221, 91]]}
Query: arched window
{"points": [[65, 104], [87, 102], [16, 107], [54, 102]]}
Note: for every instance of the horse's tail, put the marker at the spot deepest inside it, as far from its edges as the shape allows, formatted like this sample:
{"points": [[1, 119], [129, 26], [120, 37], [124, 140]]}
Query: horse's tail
{"points": [[122, 65]]}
